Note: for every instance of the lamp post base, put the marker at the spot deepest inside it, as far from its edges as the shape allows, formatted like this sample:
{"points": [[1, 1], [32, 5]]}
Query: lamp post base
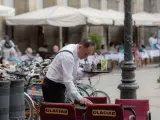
{"points": [[128, 86], [128, 90]]}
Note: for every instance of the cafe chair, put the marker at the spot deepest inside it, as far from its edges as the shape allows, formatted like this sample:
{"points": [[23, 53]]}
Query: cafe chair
{"points": [[57, 111], [95, 100], [98, 100], [105, 112], [141, 108]]}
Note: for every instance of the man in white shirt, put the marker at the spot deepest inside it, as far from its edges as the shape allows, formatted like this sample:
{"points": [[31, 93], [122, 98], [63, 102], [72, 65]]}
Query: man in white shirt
{"points": [[64, 70], [152, 41]]}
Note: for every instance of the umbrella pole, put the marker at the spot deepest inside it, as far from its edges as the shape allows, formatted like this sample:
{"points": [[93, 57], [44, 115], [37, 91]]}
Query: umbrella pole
{"points": [[12, 32], [60, 37], [87, 30]]}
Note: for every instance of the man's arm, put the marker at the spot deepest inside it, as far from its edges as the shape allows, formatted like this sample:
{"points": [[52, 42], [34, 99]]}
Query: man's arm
{"points": [[67, 66], [80, 73]]}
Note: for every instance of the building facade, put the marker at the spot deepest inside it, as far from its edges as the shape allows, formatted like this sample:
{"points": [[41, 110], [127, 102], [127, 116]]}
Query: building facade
{"points": [[35, 36]]}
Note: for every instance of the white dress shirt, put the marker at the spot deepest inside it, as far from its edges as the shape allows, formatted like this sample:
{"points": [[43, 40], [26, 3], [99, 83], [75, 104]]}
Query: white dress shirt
{"points": [[65, 69], [152, 42]]}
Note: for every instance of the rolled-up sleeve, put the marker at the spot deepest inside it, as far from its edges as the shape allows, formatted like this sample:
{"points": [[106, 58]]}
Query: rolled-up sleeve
{"points": [[67, 67]]}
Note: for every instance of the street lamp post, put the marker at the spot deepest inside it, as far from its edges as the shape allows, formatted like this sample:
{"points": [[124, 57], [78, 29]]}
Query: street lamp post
{"points": [[128, 86]]}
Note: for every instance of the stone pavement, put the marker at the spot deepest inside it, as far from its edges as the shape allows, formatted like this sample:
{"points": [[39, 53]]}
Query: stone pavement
{"points": [[147, 81]]}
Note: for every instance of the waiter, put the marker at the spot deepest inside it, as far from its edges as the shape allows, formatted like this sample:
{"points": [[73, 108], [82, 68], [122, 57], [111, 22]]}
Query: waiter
{"points": [[64, 70]]}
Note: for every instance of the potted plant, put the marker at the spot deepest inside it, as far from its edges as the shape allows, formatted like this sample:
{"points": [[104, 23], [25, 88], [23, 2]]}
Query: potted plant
{"points": [[97, 40]]}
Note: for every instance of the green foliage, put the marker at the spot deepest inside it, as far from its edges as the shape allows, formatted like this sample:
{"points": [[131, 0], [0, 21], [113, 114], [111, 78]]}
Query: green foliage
{"points": [[96, 39]]}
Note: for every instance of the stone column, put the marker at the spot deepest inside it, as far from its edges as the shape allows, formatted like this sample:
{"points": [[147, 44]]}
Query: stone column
{"points": [[134, 6], [74, 3], [104, 4], [140, 5], [49, 3], [25, 36], [95, 4], [118, 4], [62, 2], [39, 4], [51, 33], [84, 3], [32, 5], [21, 6], [121, 5]]}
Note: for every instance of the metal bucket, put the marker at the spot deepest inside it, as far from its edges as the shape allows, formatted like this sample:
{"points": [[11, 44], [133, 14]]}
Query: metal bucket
{"points": [[4, 100], [17, 104]]}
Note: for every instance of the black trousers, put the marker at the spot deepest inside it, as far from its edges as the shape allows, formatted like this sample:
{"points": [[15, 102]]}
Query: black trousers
{"points": [[53, 92]]}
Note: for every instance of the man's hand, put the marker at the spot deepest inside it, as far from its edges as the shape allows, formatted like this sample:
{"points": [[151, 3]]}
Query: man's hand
{"points": [[85, 101]]}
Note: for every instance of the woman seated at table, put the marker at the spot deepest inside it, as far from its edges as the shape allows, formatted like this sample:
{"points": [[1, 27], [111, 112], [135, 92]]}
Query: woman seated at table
{"points": [[117, 48], [13, 59], [112, 49], [152, 41], [144, 55], [137, 58], [121, 48], [103, 50]]}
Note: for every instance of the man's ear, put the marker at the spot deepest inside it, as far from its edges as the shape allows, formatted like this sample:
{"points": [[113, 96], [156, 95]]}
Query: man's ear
{"points": [[79, 46]]}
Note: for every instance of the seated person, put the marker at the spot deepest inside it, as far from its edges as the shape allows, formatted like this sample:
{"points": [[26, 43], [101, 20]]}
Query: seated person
{"points": [[116, 48], [103, 49], [43, 50], [137, 58], [142, 48], [152, 41], [7, 46], [112, 49], [55, 49], [13, 57], [158, 44], [121, 48], [144, 55], [28, 56], [38, 58]]}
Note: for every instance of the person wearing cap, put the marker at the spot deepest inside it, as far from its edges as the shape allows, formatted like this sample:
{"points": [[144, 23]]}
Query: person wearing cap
{"points": [[64, 70]]}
